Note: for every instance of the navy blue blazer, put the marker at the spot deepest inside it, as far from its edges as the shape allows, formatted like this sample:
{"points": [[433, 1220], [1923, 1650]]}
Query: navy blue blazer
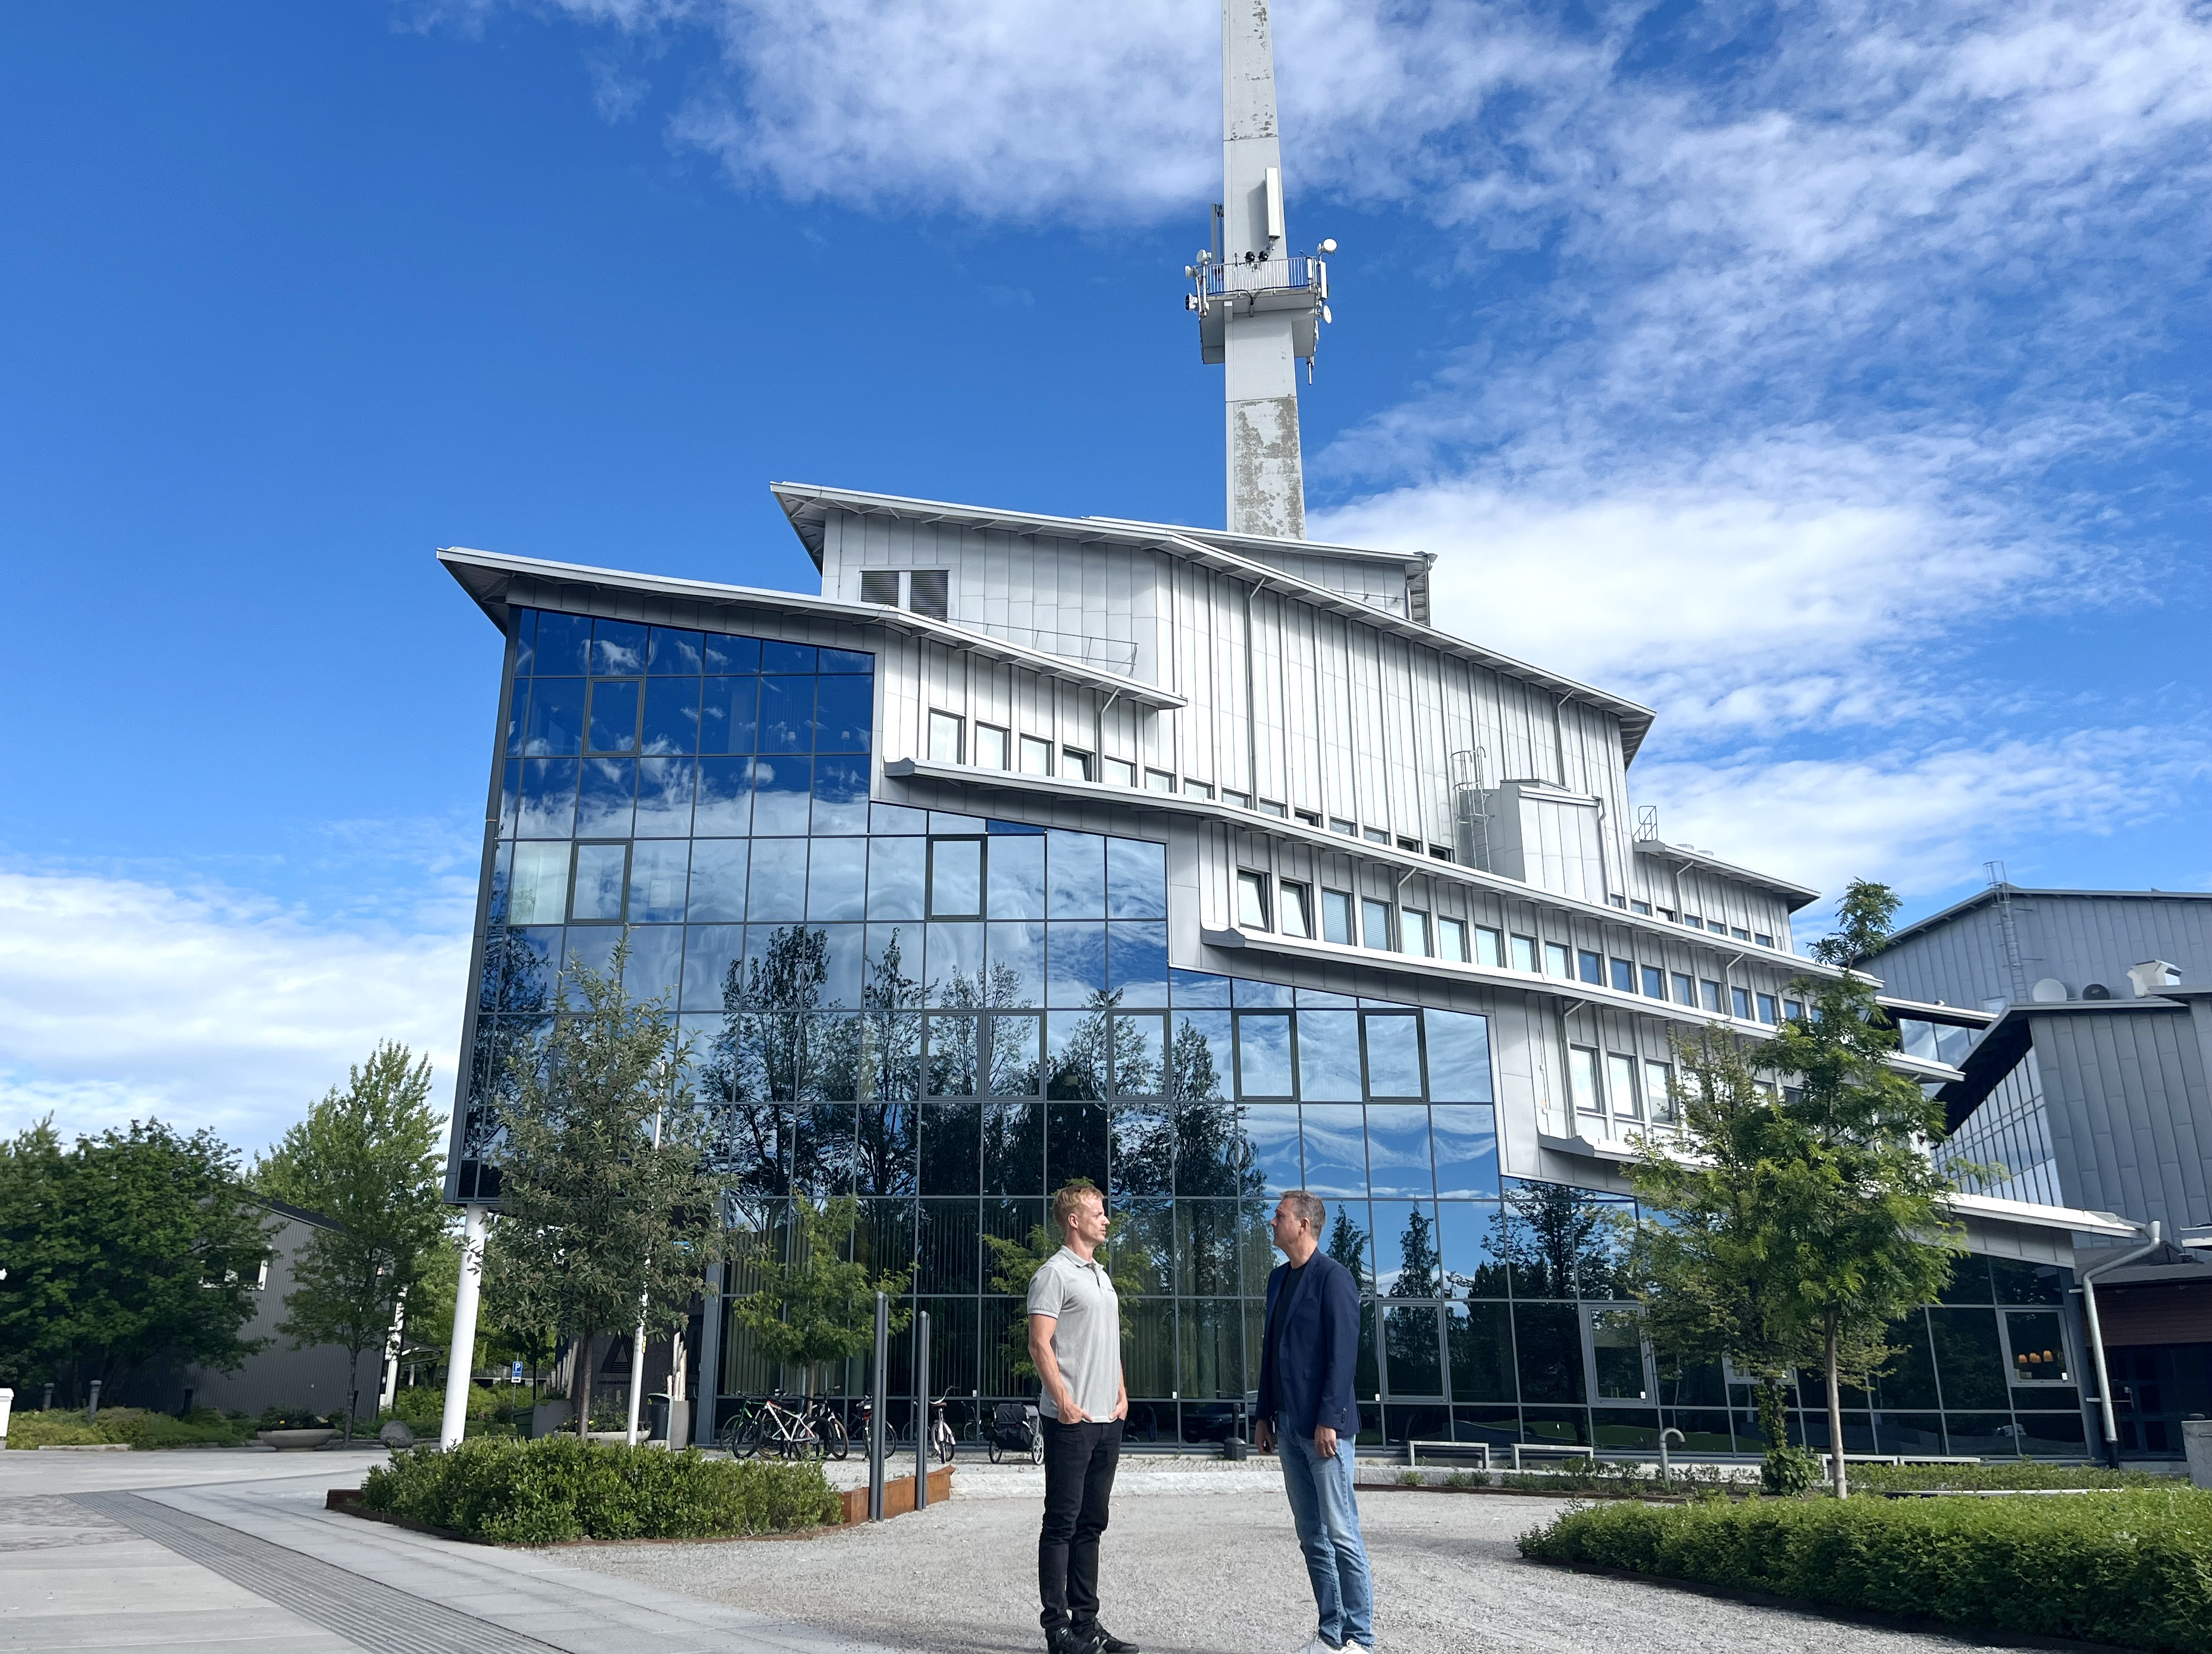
{"points": [[1317, 1346]]}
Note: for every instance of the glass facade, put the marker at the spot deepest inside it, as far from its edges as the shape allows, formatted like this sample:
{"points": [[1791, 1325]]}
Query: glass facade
{"points": [[946, 1016]]}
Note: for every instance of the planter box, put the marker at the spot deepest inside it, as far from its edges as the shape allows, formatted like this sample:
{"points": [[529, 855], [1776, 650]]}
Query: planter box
{"points": [[295, 1441], [898, 1495]]}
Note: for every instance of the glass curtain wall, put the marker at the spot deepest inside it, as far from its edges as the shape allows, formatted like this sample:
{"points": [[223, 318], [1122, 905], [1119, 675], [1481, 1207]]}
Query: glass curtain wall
{"points": [[947, 1017]]}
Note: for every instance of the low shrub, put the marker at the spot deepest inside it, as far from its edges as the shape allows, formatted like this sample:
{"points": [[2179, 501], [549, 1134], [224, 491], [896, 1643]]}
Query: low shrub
{"points": [[131, 1426], [2131, 1567], [1999, 1472], [559, 1488]]}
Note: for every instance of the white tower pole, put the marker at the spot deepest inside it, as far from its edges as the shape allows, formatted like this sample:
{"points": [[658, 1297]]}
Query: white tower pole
{"points": [[1267, 484], [463, 1358]]}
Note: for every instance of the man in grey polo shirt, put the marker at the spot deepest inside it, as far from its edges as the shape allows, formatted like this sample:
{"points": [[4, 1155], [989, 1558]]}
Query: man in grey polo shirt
{"points": [[1075, 1342]]}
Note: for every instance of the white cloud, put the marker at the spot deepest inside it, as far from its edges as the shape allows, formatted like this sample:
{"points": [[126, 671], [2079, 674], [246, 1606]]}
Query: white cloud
{"points": [[121, 998]]}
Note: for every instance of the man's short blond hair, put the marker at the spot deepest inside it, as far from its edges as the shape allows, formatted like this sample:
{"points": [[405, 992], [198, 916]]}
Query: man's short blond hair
{"points": [[1306, 1206], [1069, 1196]]}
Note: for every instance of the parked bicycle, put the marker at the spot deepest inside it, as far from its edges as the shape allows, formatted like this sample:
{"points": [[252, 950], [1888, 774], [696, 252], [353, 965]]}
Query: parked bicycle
{"points": [[941, 1441], [790, 1432]]}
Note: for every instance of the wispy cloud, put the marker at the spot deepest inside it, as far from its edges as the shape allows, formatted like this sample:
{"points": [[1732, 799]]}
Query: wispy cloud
{"points": [[121, 998]]}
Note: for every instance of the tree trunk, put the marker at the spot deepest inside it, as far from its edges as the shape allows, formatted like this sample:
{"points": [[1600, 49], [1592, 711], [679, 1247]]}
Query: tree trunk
{"points": [[580, 1391], [1836, 1411], [1773, 1413], [353, 1386]]}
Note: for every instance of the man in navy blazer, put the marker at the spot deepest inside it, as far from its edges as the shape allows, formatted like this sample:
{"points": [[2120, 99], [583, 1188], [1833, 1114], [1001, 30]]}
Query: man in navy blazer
{"points": [[1306, 1408]]}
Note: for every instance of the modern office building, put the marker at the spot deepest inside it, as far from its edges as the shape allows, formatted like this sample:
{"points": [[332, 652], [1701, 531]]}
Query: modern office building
{"points": [[2091, 1089], [1196, 863]]}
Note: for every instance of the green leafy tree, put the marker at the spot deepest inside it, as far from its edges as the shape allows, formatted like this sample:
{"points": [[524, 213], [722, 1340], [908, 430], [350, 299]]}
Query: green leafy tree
{"points": [[1864, 919], [1014, 1264], [610, 1210], [135, 1247], [367, 1159], [818, 1305]]}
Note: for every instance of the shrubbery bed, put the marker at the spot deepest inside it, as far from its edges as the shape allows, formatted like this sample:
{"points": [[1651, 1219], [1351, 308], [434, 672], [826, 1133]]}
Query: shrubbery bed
{"points": [[130, 1425], [559, 1488], [2132, 1567]]}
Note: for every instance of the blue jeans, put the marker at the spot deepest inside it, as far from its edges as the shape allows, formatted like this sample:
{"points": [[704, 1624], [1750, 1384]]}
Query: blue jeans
{"points": [[1327, 1518]]}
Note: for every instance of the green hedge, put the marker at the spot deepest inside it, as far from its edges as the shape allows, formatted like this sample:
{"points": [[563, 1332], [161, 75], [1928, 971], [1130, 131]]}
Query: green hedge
{"points": [[558, 1488], [130, 1425], [2001, 1473], [2132, 1567]]}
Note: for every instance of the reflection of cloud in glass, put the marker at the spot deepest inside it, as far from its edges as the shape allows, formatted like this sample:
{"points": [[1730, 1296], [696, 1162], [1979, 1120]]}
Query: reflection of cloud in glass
{"points": [[1393, 1056], [1335, 1149], [1398, 1149], [1263, 1056], [1328, 1055]]}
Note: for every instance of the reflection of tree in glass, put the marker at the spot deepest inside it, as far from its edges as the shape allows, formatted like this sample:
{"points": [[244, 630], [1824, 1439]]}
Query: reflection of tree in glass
{"points": [[1552, 1226], [513, 987], [891, 1002], [1347, 1245], [754, 1060], [1411, 1334], [1102, 1046], [1211, 1154], [1417, 1247]]}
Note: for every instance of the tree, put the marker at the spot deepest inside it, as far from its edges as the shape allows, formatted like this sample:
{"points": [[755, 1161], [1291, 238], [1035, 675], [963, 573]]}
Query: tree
{"points": [[367, 1159], [818, 1306], [1862, 922], [135, 1247], [610, 1212]]}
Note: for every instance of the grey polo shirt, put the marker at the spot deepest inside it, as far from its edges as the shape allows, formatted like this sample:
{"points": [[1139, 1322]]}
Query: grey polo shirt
{"points": [[1086, 1341]]}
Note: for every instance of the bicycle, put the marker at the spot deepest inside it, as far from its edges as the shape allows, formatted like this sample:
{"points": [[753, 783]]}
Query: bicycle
{"points": [[789, 1433], [941, 1440]]}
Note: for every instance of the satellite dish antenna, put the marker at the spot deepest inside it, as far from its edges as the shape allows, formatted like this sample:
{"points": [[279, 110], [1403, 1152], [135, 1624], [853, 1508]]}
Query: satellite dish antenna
{"points": [[2050, 991], [1330, 246]]}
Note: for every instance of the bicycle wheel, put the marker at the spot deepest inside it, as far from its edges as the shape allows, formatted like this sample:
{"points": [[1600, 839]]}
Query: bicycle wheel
{"points": [[829, 1433], [942, 1437], [751, 1431], [1037, 1447], [996, 1451]]}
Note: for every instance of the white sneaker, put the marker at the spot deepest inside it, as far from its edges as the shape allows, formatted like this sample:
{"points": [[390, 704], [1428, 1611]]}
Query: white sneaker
{"points": [[1318, 1646]]}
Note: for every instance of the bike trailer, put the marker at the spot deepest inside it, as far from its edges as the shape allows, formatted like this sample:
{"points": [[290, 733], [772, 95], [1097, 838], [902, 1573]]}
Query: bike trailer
{"points": [[1013, 1425]]}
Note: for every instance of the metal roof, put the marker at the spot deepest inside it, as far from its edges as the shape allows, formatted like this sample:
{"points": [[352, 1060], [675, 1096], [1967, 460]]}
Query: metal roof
{"points": [[1990, 894], [486, 576], [808, 506], [1796, 896]]}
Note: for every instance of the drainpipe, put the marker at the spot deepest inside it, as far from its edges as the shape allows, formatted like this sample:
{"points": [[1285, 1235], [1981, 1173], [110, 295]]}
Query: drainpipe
{"points": [[2097, 1335]]}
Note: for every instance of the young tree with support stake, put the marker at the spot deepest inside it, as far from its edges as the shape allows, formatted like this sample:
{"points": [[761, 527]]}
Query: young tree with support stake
{"points": [[596, 1219], [1799, 1214], [819, 1306], [367, 1159]]}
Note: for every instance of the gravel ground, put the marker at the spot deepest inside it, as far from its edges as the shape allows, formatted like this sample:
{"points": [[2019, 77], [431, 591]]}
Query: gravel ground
{"points": [[1185, 1572]]}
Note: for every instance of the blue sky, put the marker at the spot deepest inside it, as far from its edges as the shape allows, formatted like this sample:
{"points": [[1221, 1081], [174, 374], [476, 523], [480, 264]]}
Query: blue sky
{"points": [[1830, 375]]}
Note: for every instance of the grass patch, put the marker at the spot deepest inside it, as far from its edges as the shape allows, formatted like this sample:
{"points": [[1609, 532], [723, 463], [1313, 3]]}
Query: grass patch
{"points": [[2131, 1567], [545, 1491], [132, 1426]]}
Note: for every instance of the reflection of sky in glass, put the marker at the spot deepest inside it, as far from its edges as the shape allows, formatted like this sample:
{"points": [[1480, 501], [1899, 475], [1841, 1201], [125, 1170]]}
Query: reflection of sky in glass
{"points": [[955, 878], [1263, 1056], [1017, 961], [955, 968], [1075, 866], [1075, 964], [1254, 995], [657, 875], [610, 791], [1329, 1056], [1393, 1056], [671, 715], [656, 962], [617, 648], [729, 715], [1194, 988], [548, 798], [614, 716], [1137, 1041], [672, 649], [1015, 1043], [1335, 1148], [725, 798], [1271, 1130], [727, 653], [842, 962], [837, 879], [1398, 1149], [787, 714], [894, 877], [1472, 1242], [1017, 876], [1467, 1151], [844, 712], [780, 794], [841, 795], [556, 723], [709, 952], [561, 642], [664, 797], [599, 870], [1137, 963], [718, 879], [778, 879], [1189, 1077], [1136, 879], [1458, 1057]]}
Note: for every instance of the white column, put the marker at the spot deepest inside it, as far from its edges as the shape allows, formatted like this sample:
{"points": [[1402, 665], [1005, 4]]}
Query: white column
{"points": [[462, 1357], [387, 1392]]}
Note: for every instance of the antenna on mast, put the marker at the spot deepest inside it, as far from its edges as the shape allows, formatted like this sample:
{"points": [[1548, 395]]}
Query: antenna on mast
{"points": [[1260, 306]]}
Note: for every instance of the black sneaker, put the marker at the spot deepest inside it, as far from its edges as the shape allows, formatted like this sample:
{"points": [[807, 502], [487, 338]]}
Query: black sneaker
{"points": [[1103, 1641], [1071, 1639]]}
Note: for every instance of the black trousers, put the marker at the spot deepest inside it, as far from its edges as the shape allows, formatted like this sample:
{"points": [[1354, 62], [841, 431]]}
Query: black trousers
{"points": [[1079, 1461]]}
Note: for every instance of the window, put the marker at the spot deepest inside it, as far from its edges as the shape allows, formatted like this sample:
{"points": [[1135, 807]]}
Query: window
{"points": [[1375, 835], [1524, 954], [1620, 1080], [1644, 908], [1489, 946], [1668, 914], [1297, 909], [1762, 939], [1739, 933], [1336, 917], [1270, 807], [1441, 853], [1716, 927], [1693, 922], [1375, 924], [1412, 932], [1412, 844], [955, 878], [1037, 756], [944, 738], [1310, 818], [1555, 960], [1159, 781], [1252, 900], [1739, 999], [1620, 902], [1623, 976], [1451, 940], [1655, 982], [880, 586], [1589, 968], [1686, 991], [990, 746], [1339, 824], [1709, 992], [1793, 1010], [1241, 800], [602, 873], [1197, 789], [1582, 1080], [1659, 1090], [1767, 1008], [1076, 763], [930, 593], [1116, 772]]}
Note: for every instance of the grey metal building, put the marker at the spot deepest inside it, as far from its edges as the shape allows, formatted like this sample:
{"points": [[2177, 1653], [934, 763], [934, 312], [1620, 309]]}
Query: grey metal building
{"points": [[2091, 1089]]}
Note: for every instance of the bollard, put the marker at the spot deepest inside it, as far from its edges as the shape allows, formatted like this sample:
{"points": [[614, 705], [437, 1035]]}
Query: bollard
{"points": [[93, 1412], [877, 1399], [922, 1420]]}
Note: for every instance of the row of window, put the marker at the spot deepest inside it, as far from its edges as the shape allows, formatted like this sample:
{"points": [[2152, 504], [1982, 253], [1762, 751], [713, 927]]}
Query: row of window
{"points": [[994, 747], [1286, 905]]}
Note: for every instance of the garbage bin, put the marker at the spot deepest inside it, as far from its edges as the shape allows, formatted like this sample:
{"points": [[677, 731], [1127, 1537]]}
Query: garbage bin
{"points": [[657, 1410]]}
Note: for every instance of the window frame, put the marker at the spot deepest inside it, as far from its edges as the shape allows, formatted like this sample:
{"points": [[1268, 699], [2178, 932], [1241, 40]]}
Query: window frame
{"points": [[1003, 738], [1293, 897], [941, 722], [1252, 883], [1585, 1074]]}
